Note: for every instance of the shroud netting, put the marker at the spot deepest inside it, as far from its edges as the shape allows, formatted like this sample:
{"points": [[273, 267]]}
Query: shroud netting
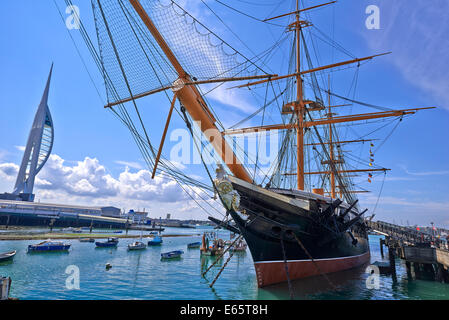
{"points": [[201, 53]]}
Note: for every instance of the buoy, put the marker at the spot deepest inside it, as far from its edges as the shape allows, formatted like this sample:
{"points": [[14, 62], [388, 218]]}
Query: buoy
{"points": [[108, 266]]}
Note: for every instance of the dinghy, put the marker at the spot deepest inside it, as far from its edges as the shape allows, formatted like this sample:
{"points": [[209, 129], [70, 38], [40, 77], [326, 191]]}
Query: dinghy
{"points": [[155, 241], [171, 254], [111, 242], [137, 245], [7, 256], [194, 245]]}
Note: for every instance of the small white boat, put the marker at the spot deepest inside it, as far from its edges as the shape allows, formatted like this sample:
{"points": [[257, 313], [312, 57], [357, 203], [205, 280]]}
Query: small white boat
{"points": [[137, 245], [7, 256]]}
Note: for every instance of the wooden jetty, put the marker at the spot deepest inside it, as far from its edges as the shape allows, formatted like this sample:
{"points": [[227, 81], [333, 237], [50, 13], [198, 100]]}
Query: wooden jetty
{"points": [[426, 256]]}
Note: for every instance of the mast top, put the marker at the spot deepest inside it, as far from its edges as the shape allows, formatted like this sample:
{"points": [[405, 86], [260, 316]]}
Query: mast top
{"points": [[297, 11]]}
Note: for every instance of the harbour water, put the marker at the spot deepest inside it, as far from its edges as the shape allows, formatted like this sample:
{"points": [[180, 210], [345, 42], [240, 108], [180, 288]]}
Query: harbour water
{"points": [[142, 275]]}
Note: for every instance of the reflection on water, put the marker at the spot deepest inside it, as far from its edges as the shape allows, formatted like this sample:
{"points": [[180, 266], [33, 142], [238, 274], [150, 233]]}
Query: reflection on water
{"points": [[333, 284]]}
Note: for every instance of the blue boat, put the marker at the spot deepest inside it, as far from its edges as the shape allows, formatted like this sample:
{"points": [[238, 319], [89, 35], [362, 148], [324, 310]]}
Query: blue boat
{"points": [[172, 254], [48, 245], [155, 241], [194, 245], [111, 242]]}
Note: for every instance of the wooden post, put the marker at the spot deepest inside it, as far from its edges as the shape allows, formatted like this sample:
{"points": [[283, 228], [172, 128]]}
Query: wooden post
{"points": [[52, 221], [413, 270], [439, 273], [392, 261], [5, 284], [381, 243], [408, 267]]}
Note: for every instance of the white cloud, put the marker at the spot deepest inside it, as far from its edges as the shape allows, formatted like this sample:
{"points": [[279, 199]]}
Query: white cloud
{"points": [[424, 173], [130, 164], [8, 171], [428, 173], [88, 182], [417, 35], [90, 178], [412, 208], [399, 179], [234, 98]]}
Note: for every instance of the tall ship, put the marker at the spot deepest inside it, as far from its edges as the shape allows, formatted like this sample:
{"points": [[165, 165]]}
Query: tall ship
{"points": [[300, 215]]}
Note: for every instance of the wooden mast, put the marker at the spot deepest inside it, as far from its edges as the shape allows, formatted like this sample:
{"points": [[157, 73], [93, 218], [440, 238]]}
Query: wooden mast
{"points": [[194, 103], [331, 146], [299, 107], [326, 120]]}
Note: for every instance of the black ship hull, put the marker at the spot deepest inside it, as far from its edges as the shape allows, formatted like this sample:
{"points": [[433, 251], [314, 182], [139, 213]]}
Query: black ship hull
{"points": [[302, 234]]}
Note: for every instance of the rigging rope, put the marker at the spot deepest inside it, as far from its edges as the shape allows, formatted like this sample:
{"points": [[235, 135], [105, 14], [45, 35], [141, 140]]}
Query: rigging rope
{"points": [[380, 192], [357, 102], [125, 118], [313, 261], [249, 16]]}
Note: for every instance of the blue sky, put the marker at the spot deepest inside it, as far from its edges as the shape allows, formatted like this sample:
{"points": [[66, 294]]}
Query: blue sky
{"points": [[96, 162]]}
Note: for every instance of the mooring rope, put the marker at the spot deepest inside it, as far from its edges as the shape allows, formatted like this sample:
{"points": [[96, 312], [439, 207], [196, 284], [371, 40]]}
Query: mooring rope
{"points": [[313, 261], [290, 290], [221, 270], [221, 255]]}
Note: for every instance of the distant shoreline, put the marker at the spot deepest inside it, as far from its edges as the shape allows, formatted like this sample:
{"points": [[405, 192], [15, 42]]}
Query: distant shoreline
{"points": [[45, 236]]}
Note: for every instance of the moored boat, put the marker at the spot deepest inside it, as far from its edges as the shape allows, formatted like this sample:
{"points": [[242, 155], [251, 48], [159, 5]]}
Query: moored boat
{"points": [[72, 230], [111, 242], [215, 249], [171, 254], [194, 245], [87, 240], [7, 256], [155, 241], [137, 245], [240, 246], [49, 245]]}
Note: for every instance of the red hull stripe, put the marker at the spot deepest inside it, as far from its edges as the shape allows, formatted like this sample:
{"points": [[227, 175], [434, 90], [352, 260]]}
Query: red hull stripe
{"points": [[271, 272]]}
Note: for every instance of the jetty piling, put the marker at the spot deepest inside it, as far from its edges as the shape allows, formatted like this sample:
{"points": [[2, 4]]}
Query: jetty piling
{"points": [[381, 243], [426, 256], [5, 285], [391, 257]]}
